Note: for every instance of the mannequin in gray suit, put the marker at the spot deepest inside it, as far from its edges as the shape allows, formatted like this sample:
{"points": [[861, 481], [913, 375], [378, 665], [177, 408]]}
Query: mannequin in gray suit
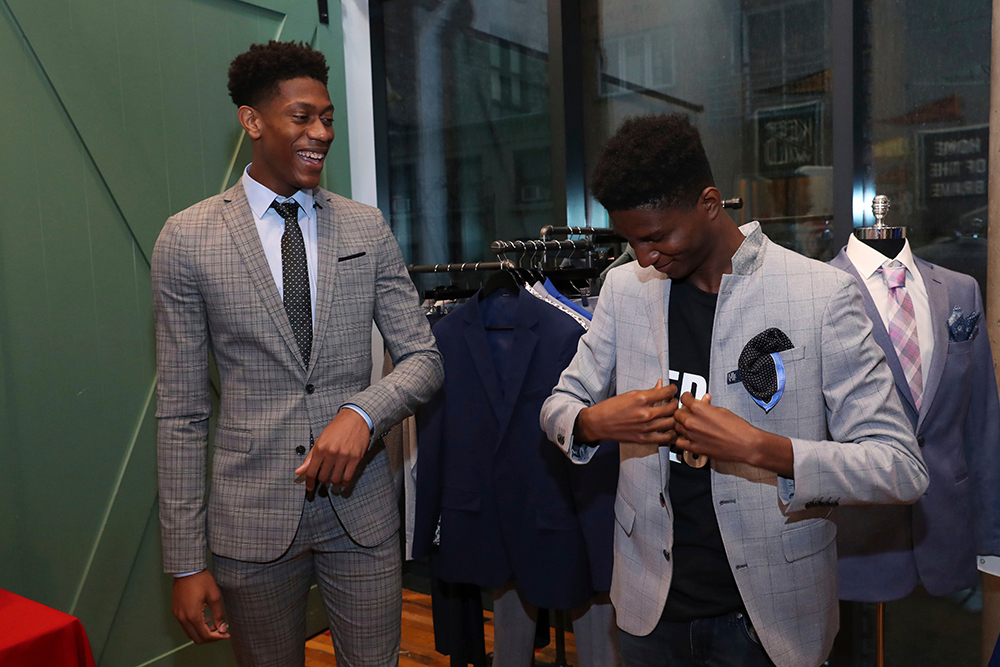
{"points": [[796, 413], [281, 281]]}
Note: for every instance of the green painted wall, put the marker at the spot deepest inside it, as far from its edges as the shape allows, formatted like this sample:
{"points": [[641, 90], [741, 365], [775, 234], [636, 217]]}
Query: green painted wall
{"points": [[113, 115]]}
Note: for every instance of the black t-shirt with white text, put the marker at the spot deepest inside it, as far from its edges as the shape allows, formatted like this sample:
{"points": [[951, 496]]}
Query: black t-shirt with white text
{"points": [[703, 585]]}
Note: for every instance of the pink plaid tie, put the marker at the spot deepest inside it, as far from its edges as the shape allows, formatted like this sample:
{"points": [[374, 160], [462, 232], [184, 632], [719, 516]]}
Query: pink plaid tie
{"points": [[903, 329]]}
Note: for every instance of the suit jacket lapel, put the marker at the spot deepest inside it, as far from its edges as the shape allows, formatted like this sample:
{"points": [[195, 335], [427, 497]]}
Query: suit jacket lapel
{"points": [[656, 309], [239, 219], [326, 274], [525, 340], [479, 350], [879, 333], [937, 295], [657, 300]]}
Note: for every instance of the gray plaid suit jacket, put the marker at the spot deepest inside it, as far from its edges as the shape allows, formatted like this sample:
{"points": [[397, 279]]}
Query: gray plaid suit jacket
{"points": [[213, 291], [852, 442]]}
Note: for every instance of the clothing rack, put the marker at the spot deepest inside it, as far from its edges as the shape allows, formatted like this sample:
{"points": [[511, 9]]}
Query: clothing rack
{"points": [[460, 268], [541, 245], [603, 233]]}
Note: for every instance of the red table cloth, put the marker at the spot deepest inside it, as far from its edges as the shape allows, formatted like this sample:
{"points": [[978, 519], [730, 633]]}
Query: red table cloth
{"points": [[33, 635]]}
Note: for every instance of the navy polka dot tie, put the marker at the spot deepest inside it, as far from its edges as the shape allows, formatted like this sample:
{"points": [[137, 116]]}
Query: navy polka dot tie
{"points": [[295, 277]]}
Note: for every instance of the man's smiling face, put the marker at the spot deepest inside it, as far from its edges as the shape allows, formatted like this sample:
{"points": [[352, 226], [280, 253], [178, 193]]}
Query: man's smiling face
{"points": [[291, 134]]}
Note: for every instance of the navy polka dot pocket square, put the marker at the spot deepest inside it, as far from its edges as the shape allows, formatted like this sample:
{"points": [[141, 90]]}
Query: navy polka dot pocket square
{"points": [[962, 328], [761, 369]]}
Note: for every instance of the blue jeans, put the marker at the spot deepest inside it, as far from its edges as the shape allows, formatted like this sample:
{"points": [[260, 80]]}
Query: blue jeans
{"points": [[722, 641]]}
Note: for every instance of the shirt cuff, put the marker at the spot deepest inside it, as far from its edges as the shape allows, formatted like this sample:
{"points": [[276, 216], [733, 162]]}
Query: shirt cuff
{"points": [[364, 415], [989, 564], [187, 574]]}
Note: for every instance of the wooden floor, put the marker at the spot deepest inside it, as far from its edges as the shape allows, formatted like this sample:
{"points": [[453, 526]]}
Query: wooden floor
{"points": [[417, 648]]}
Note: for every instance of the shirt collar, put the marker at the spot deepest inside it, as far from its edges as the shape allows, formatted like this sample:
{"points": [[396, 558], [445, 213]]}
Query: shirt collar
{"points": [[260, 196], [867, 260]]}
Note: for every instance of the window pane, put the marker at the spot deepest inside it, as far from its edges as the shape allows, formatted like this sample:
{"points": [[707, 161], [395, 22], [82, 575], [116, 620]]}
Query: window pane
{"points": [[469, 134], [754, 76], [928, 99], [928, 109]]}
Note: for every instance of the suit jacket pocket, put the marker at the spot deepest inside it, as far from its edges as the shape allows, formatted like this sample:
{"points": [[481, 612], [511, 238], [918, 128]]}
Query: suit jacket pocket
{"points": [[353, 255], [624, 514], [959, 346], [794, 354], [555, 518], [801, 541], [467, 500], [233, 440]]}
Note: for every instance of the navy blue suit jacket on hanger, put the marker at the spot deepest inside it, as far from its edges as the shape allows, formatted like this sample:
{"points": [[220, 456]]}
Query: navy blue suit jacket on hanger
{"points": [[885, 551], [511, 505]]}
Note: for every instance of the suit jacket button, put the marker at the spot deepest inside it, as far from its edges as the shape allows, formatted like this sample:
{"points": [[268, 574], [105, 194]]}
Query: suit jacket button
{"points": [[920, 441], [561, 439], [666, 554], [300, 450], [663, 501], [310, 388]]}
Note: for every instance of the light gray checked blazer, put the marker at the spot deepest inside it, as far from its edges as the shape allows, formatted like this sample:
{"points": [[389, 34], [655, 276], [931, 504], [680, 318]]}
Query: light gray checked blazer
{"points": [[852, 442], [213, 291]]}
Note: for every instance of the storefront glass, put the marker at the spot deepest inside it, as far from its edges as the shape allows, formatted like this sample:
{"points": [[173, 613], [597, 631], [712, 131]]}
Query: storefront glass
{"points": [[925, 96], [470, 130], [469, 125], [755, 77], [927, 87]]}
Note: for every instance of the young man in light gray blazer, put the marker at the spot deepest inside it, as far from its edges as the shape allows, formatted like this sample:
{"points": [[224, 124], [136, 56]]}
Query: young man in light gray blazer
{"points": [[280, 280], [793, 407]]}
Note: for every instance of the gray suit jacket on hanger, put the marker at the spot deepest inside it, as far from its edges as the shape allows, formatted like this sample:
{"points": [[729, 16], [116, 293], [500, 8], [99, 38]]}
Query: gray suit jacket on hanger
{"points": [[852, 442], [886, 551], [213, 291]]}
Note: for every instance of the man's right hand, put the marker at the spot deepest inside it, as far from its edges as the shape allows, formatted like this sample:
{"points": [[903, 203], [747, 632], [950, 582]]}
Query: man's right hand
{"points": [[191, 595], [644, 416]]}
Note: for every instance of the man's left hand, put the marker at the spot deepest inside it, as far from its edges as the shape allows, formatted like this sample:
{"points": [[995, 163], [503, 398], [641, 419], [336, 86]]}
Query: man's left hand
{"points": [[337, 451], [708, 430]]}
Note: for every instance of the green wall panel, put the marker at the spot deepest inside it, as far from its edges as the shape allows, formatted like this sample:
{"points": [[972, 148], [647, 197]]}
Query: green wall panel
{"points": [[116, 115]]}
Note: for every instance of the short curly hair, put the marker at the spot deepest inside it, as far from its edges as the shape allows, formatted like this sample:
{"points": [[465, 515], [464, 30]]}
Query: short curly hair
{"points": [[654, 161], [254, 76]]}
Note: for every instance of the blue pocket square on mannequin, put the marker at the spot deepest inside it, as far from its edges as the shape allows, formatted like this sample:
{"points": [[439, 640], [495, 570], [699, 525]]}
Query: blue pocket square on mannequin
{"points": [[962, 328], [761, 369]]}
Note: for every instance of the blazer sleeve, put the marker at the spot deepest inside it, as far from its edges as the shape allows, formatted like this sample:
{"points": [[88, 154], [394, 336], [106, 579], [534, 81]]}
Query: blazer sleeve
{"points": [[982, 440], [872, 456], [430, 439], [183, 402], [418, 371], [588, 379]]}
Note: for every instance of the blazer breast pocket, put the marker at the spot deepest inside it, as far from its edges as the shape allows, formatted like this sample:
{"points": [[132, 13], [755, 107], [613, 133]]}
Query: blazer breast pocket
{"points": [[959, 346], [794, 354], [355, 281]]}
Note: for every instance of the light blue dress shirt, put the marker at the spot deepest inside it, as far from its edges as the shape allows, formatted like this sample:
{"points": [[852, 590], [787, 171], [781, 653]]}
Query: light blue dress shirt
{"points": [[271, 227]]}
